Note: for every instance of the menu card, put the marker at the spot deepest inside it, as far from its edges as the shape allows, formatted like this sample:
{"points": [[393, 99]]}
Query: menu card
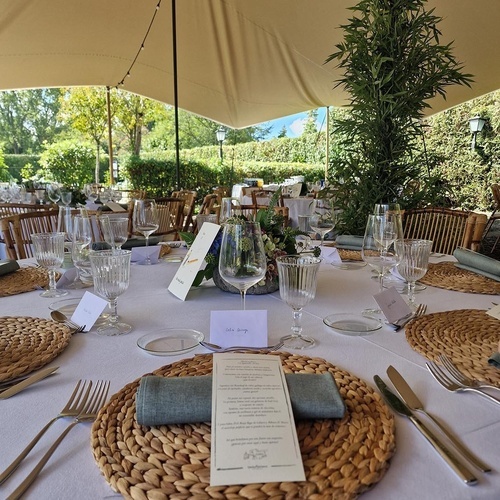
{"points": [[253, 431]]}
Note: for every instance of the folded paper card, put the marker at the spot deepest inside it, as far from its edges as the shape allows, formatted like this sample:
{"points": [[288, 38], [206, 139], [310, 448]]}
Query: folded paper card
{"points": [[140, 254], [331, 256], [184, 400], [349, 242], [477, 263], [8, 266]]}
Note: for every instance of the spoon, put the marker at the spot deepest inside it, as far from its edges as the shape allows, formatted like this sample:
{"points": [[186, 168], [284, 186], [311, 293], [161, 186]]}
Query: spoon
{"points": [[60, 317]]}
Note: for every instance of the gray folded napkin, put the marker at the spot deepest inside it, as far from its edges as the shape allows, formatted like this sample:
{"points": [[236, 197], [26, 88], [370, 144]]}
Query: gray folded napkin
{"points": [[184, 400], [349, 242], [8, 266], [477, 263], [494, 360]]}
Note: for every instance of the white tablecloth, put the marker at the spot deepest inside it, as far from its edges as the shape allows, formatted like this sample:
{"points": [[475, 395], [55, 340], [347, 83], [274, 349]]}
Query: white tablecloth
{"points": [[416, 471]]}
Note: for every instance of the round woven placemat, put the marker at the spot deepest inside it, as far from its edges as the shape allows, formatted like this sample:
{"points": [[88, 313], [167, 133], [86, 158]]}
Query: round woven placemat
{"points": [[447, 275], [349, 254], [23, 280], [27, 344], [467, 336], [342, 458]]}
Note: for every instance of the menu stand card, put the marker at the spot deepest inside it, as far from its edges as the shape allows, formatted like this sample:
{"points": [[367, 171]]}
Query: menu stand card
{"points": [[254, 439], [194, 259]]}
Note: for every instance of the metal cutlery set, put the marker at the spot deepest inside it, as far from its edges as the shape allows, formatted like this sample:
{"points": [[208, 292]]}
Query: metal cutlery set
{"points": [[83, 405], [408, 402]]}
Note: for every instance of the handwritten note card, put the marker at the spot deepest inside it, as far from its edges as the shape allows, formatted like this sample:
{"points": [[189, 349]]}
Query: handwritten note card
{"points": [[194, 259], [88, 310], [233, 328], [392, 305], [253, 431]]}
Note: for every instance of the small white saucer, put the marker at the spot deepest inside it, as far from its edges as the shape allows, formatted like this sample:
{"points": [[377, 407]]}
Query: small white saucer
{"points": [[352, 324], [170, 341]]}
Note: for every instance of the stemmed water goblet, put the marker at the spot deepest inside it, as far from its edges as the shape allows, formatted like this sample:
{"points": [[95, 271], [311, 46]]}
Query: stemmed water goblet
{"points": [[114, 230], [242, 259], [413, 263], [298, 279], [80, 251], [145, 219], [111, 272], [322, 217], [49, 253]]}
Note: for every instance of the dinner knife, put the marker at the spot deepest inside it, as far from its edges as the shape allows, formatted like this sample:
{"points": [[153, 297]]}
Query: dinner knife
{"points": [[412, 401], [398, 406], [27, 382]]}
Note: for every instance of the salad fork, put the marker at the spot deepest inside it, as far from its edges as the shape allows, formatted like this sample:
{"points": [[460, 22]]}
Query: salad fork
{"points": [[442, 378], [218, 348], [461, 378]]}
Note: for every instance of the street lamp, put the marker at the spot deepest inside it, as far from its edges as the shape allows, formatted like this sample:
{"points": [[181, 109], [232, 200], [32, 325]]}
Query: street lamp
{"points": [[476, 124], [221, 136]]}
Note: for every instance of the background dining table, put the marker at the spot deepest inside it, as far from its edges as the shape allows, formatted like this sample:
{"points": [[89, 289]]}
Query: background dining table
{"points": [[416, 471]]}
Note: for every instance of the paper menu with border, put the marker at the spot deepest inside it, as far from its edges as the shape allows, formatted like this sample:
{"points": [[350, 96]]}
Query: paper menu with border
{"points": [[254, 439], [194, 259]]}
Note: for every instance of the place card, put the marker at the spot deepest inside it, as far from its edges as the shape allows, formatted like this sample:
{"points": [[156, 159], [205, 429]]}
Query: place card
{"points": [[233, 328], [194, 259], [140, 254], [330, 255], [392, 305], [115, 207], [88, 310], [253, 430], [494, 311]]}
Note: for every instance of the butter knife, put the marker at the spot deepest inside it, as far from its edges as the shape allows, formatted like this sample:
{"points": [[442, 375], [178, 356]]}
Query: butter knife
{"points": [[398, 406], [28, 381], [412, 401]]}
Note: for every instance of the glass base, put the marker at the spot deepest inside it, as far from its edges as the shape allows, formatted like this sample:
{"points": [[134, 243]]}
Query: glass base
{"points": [[297, 342], [52, 294], [78, 285], [113, 329]]}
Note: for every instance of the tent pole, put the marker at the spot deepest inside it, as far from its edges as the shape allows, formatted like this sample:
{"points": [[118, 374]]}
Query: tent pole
{"points": [[110, 136], [176, 96], [327, 153]]}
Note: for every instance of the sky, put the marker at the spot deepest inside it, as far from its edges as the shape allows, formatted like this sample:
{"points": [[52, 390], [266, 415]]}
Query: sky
{"points": [[295, 124]]}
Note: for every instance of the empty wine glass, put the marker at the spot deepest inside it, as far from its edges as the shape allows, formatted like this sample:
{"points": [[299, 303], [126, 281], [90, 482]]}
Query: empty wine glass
{"points": [[322, 217], [65, 225], [111, 271], [413, 263], [242, 259], [145, 218], [114, 230], [40, 195], [54, 192], [66, 197], [80, 251], [49, 253], [297, 278]]}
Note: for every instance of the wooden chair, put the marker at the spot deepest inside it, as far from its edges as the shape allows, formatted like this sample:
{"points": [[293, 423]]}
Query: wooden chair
{"points": [[189, 198], [262, 197], [171, 216], [495, 215], [447, 228], [208, 206], [19, 208]]}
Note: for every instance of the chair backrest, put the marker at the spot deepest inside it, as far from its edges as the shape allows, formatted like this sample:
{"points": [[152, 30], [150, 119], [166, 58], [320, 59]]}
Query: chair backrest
{"points": [[208, 206], [262, 197], [171, 216], [447, 228], [189, 198]]}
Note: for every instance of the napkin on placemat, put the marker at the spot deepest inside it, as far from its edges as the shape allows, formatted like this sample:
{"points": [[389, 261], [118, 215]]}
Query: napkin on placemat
{"points": [[477, 263], [494, 359], [349, 242], [185, 400], [8, 266]]}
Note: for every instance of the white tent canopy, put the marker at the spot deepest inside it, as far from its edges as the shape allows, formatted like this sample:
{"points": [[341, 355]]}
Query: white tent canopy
{"points": [[240, 62]]}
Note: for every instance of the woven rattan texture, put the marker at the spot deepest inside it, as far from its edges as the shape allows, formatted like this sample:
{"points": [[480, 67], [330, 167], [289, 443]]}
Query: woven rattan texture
{"points": [[467, 336], [349, 254], [450, 277], [23, 280], [27, 344], [342, 458]]}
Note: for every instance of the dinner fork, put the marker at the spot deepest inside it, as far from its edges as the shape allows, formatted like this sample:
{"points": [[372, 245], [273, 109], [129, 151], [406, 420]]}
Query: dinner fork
{"points": [[421, 308], [461, 378], [74, 406], [96, 400], [441, 377], [217, 348]]}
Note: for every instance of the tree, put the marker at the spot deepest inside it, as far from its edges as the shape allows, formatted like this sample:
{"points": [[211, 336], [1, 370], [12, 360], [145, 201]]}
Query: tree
{"points": [[311, 125], [282, 133]]}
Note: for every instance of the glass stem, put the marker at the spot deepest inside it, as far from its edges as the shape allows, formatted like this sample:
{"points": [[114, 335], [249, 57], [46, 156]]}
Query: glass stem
{"points": [[113, 317], [381, 280], [297, 325], [148, 260], [52, 279], [411, 292], [243, 305]]}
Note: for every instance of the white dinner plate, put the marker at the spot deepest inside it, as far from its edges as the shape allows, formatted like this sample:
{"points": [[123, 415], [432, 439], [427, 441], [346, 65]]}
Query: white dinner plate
{"points": [[170, 341], [352, 324]]}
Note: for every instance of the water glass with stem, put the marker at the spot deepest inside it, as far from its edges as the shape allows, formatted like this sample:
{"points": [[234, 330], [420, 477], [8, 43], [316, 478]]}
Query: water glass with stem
{"points": [[49, 253], [111, 272], [242, 258], [413, 263], [322, 217], [80, 252], [114, 230], [145, 220], [66, 197], [54, 192], [298, 279]]}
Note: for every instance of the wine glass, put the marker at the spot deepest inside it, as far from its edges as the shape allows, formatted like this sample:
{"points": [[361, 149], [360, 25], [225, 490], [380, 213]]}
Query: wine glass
{"points": [[80, 251], [111, 271], [242, 259], [413, 263], [114, 230], [145, 219], [322, 219], [53, 192], [66, 197], [49, 253], [40, 195], [297, 278], [65, 225]]}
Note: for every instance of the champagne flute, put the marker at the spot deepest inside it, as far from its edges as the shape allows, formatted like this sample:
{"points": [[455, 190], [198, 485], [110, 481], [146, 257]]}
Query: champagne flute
{"points": [[111, 271], [49, 253], [80, 251], [114, 230], [145, 219], [322, 219], [298, 279], [413, 263], [242, 259]]}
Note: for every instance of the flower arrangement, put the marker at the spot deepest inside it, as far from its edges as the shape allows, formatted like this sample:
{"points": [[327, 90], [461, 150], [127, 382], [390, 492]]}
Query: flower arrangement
{"points": [[278, 240]]}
